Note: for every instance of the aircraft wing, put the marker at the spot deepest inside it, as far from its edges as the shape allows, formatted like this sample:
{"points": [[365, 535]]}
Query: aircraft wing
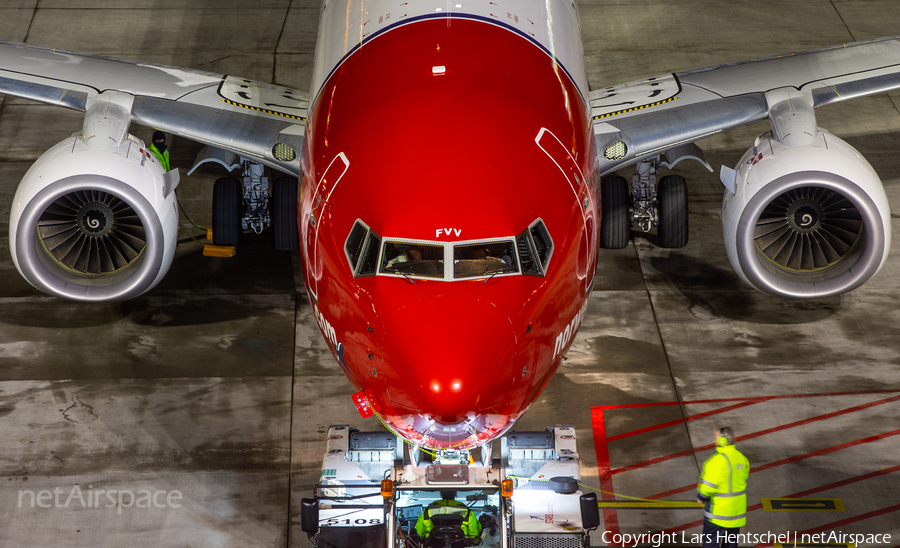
{"points": [[658, 114], [241, 116]]}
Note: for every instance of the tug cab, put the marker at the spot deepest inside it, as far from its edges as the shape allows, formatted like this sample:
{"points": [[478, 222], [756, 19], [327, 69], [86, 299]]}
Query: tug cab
{"points": [[372, 493]]}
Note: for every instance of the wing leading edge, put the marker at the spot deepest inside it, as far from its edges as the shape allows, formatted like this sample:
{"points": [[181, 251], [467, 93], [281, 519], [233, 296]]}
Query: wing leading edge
{"points": [[241, 116], [658, 114]]}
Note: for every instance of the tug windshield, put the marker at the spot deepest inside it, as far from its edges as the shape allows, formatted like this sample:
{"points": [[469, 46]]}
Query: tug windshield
{"points": [[483, 504]]}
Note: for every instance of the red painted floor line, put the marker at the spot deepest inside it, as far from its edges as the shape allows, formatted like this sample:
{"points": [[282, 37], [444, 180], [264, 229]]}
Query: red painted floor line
{"points": [[676, 491], [635, 405], [658, 459], [841, 523], [844, 482], [726, 400], [601, 442], [754, 469], [687, 419], [825, 451], [610, 518], [599, 427], [814, 490], [758, 434]]}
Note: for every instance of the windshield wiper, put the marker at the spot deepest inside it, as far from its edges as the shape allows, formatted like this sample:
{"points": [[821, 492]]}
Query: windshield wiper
{"points": [[404, 274], [498, 271]]}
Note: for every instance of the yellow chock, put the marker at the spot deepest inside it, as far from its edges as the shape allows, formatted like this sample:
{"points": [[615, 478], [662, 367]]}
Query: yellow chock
{"points": [[209, 234], [218, 251]]}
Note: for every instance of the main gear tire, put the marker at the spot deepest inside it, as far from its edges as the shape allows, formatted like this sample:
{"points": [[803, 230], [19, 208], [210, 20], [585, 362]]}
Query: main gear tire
{"points": [[284, 214], [228, 197], [672, 206], [615, 218]]}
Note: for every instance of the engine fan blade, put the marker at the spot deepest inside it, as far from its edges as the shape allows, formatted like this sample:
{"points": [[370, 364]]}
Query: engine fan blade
{"points": [[92, 232]]}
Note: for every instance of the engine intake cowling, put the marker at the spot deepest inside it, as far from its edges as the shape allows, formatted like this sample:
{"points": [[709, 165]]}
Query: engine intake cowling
{"points": [[806, 221], [94, 225]]}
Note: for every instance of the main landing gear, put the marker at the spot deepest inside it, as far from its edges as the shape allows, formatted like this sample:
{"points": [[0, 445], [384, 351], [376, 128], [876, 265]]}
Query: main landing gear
{"points": [[650, 203], [242, 205]]}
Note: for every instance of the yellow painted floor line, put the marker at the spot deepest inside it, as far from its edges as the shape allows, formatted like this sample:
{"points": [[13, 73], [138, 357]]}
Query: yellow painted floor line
{"points": [[802, 505]]}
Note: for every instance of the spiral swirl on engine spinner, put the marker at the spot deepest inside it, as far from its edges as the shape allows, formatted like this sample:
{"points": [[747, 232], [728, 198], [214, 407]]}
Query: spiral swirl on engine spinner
{"points": [[91, 232], [808, 229]]}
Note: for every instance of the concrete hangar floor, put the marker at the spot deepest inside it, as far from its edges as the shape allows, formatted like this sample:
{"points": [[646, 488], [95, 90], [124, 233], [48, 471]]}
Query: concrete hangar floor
{"points": [[218, 385]]}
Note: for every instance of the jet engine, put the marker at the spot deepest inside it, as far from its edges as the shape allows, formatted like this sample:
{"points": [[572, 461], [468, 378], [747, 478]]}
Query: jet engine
{"points": [[94, 223], [805, 221]]}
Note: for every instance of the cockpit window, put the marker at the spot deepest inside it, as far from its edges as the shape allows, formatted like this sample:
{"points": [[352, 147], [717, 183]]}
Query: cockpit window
{"points": [[484, 259], [370, 256], [527, 255], [354, 245], [413, 259], [543, 245], [362, 247]]}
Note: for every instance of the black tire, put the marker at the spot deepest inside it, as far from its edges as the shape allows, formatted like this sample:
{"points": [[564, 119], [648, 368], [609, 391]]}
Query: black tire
{"points": [[283, 209], [672, 203], [228, 198], [615, 220]]}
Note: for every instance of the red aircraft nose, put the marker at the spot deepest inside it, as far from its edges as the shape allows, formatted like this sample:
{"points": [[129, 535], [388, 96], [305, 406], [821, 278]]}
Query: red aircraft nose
{"points": [[449, 348]]}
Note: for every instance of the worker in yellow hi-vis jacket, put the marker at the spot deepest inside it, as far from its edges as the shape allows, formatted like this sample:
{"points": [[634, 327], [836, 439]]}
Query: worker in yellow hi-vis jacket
{"points": [[448, 505], [723, 492]]}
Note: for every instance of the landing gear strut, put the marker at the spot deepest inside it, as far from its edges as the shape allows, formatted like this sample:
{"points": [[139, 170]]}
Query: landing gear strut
{"points": [[242, 205], [256, 197], [643, 184], [662, 204]]}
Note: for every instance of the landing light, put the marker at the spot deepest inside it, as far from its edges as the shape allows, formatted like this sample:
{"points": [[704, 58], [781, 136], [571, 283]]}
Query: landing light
{"points": [[615, 151], [435, 387], [283, 152], [438, 70], [456, 386]]}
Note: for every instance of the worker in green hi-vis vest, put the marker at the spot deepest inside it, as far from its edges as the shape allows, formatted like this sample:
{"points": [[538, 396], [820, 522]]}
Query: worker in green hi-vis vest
{"points": [[448, 505], [723, 492], [158, 148]]}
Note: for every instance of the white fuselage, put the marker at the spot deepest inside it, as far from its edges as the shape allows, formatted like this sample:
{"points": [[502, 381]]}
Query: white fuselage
{"points": [[346, 25]]}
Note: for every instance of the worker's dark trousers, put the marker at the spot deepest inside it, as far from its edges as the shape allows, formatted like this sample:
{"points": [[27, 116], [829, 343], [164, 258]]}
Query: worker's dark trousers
{"points": [[715, 536]]}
